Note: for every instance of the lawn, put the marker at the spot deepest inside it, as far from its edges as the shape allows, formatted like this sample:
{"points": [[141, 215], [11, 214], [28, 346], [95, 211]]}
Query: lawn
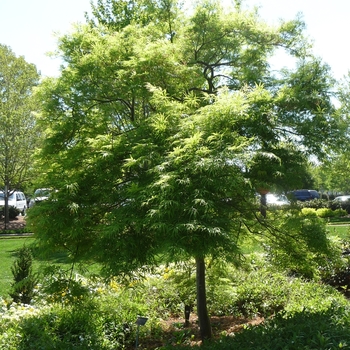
{"points": [[8, 248], [340, 230]]}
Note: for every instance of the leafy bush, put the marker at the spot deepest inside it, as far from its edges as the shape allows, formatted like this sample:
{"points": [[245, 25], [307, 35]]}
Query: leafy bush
{"points": [[340, 212], [315, 204], [341, 205], [105, 320], [303, 330], [325, 212], [308, 211], [13, 212], [93, 314], [24, 279], [338, 274], [305, 243]]}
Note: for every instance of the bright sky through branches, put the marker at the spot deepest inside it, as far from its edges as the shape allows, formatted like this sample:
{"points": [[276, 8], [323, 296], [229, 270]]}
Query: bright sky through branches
{"points": [[28, 27]]}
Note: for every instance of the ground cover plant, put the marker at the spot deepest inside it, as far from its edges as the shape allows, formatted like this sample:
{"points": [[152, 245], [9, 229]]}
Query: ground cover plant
{"points": [[252, 305]]}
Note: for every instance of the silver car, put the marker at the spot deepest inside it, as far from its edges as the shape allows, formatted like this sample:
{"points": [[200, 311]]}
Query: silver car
{"points": [[40, 195]]}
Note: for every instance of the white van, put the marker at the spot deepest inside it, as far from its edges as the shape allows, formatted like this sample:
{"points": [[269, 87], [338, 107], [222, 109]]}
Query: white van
{"points": [[16, 199]]}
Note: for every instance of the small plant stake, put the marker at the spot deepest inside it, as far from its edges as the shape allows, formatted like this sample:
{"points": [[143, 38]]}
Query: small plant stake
{"points": [[141, 321]]}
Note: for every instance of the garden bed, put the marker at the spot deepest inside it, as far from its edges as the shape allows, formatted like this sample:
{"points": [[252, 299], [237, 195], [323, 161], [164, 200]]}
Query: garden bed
{"points": [[17, 224]]}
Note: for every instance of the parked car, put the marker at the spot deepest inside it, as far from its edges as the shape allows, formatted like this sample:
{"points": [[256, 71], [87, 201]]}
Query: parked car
{"points": [[341, 202], [276, 199], [40, 195], [314, 194], [342, 199], [305, 195], [16, 199]]}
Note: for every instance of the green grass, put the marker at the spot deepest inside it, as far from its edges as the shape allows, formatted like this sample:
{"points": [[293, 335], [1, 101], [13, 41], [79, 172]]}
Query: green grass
{"points": [[8, 249], [342, 231], [339, 221]]}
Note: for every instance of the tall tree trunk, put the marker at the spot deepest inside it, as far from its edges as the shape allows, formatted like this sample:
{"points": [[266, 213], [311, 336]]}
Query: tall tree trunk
{"points": [[7, 213], [203, 317]]}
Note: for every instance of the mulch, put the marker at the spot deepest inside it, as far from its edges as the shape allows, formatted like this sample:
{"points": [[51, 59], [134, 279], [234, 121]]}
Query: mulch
{"points": [[16, 224], [228, 325]]}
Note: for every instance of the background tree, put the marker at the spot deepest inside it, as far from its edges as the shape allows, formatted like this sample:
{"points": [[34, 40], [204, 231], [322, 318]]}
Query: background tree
{"points": [[18, 133], [152, 127], [332, 171]]}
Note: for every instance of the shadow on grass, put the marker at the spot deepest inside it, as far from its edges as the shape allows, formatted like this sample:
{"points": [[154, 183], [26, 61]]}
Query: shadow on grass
{"points": [[339, 221], [59, 257]]}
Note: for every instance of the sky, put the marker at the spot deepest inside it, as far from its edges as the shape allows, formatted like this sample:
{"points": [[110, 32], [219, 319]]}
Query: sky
{"points": [[29, 27]]}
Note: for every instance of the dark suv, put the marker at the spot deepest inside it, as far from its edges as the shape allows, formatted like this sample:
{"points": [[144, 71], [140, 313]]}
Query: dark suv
{"points": [[305, 195]]}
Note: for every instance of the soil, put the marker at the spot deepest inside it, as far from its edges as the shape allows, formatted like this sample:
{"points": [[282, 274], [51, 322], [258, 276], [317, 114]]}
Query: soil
{"points": [[174, 330], [16, 224]]}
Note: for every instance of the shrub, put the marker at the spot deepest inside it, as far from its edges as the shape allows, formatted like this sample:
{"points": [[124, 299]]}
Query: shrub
{"points": [[24, 279], [13, 212], [340, 212], [341, 205], [303, 330], [315, 203], [324, 212], [337, 273], [104, 318], [308, 211]]}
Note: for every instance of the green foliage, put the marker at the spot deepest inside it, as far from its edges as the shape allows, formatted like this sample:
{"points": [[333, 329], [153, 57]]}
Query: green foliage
{"points": [[337, 273], [300, 244], [24, 279], [325, 212], [158, 132], [296, 312], [8, 247], [345, 206], [61, 328], [309, 211], [340, 212], [13, 212], [147, 153], [103, 319], [18, 133], [304, 330], [314, 203]]}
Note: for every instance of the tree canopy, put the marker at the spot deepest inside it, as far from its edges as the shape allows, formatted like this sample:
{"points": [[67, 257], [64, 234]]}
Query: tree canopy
{"points": [[162, 127], [18, 134]]}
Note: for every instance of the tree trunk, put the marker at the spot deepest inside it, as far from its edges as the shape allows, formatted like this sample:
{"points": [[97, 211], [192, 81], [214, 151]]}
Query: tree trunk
{"points": [[263, 204], [7, 214], [203, 317]]}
